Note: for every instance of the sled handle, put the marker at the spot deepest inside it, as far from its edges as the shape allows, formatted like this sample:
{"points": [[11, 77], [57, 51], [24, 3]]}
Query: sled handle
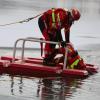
{"points": [[31, 40], [65, 58]]}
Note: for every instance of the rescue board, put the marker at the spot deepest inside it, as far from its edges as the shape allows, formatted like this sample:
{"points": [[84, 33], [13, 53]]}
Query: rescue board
{"points": [[33, 67]]}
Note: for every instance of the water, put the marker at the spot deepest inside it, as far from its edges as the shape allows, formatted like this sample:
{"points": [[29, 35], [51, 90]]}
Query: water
{"points": [[85, 35]]}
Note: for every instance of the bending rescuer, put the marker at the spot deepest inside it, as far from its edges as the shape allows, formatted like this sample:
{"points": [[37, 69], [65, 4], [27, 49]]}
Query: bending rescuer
{"points": [[51, 23]]}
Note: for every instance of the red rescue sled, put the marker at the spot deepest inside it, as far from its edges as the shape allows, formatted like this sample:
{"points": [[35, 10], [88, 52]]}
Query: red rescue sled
{"points": [[33, 66]]}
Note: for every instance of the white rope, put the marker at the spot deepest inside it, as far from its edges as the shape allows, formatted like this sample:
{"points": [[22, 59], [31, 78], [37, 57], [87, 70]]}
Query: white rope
{"points": [[22, 21]]}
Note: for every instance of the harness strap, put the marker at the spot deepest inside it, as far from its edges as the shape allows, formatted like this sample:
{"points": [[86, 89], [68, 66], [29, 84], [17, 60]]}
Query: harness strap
{"points": [[53, 15], [53, 18], [58, 19], [74, 63]]}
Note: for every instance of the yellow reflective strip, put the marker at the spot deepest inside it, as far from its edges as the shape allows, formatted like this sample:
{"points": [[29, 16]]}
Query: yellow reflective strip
{"points": [[53, 16], [74, 64], [58, 17]]}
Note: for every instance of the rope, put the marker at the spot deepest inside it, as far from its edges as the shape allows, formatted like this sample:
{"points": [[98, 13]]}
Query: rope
{"points": [[22, 21]]}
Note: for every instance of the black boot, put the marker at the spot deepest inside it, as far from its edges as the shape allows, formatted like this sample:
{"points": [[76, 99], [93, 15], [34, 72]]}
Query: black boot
{"points": [[48, 62]]}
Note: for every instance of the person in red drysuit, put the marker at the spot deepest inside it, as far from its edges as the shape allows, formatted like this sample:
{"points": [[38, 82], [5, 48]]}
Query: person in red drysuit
{"points": [[51, 22], [74, 60]]}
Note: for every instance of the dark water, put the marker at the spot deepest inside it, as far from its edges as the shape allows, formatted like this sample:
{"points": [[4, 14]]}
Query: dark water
{"points": [[85, 35]]}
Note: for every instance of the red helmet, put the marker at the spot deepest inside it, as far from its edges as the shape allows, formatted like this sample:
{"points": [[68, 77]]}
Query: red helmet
{"points": [[75, 14]]}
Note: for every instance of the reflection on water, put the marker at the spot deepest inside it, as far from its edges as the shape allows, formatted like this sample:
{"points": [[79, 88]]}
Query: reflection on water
{"points": [[40, 89], [58, 89], [20, 85], [50, 88]]}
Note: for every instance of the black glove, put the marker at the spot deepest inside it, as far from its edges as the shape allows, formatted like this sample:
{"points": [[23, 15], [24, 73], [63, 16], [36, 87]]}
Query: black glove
{"points": [[63, 43]]}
